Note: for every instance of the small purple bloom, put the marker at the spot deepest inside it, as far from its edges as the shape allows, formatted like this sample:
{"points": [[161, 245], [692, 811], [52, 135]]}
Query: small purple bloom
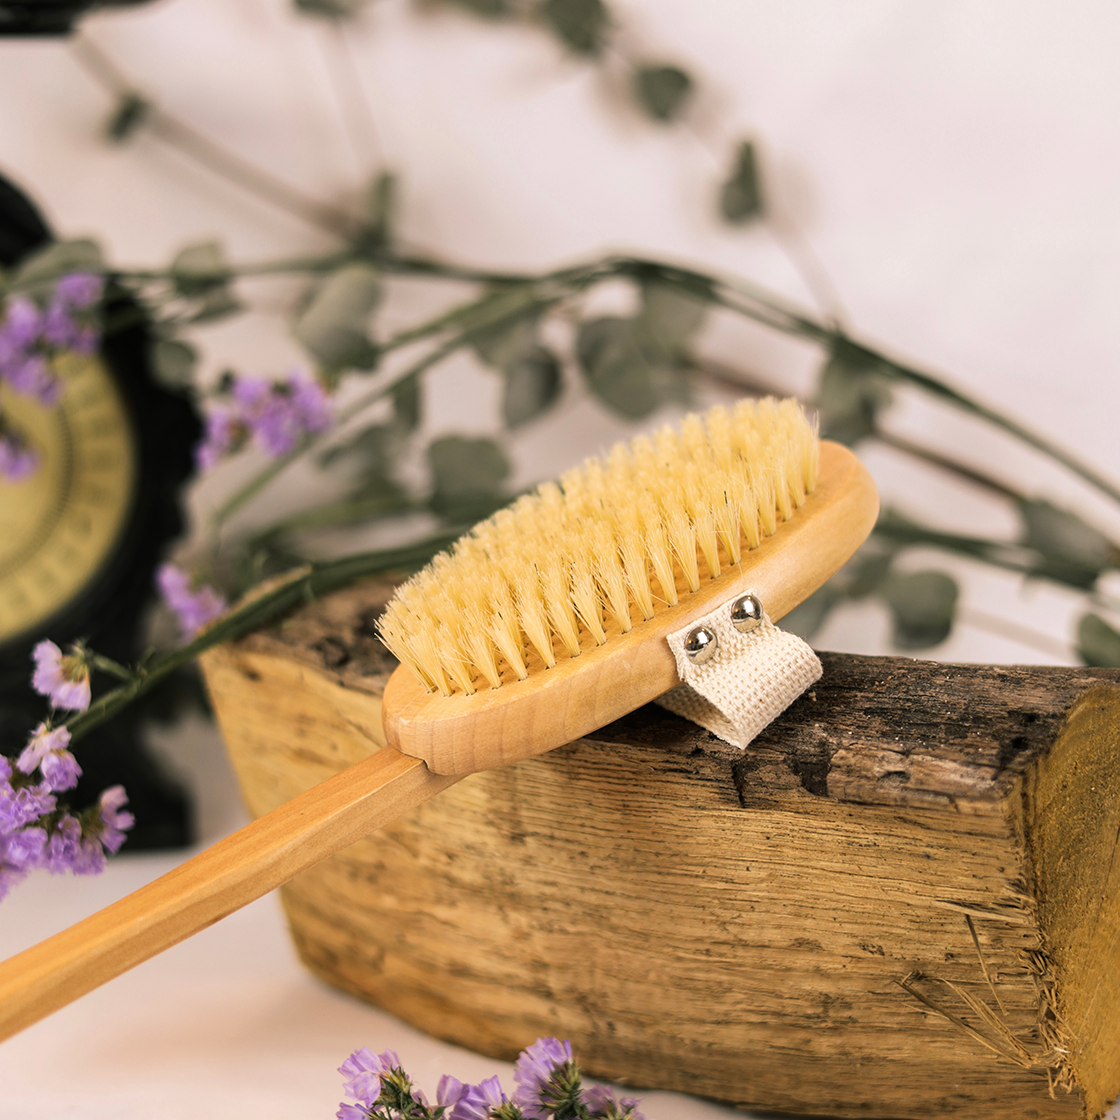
{"points": [[21, 807], [17, 460], [223, 432], [450, 1090], [115, 821], [47, 750], [363, 1071], [478, 1101], [194, 608], [64, 679], [279, 414], [533, 1070], [79, 290], [345, 1111]]}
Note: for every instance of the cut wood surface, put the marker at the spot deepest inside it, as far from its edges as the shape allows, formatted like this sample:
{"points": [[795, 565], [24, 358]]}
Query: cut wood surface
{"points": [[901, 901]]}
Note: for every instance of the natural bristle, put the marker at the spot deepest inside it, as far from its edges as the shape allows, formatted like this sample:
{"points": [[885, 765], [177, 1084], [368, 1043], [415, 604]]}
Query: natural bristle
{"points": [[575, 564]]}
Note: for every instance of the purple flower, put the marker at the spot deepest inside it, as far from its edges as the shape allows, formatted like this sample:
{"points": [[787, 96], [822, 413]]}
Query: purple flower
{"points": [[114, 822], [450, 1090], [194, 608], [64, 325], [346, 1111], [602, 1105], [20, 807], [534, 1069], [22, 364], [47, 751], [17, 460], [363, 1071], [279, 415], [79, 290], [223, 433], [64, 679], [478, 1101]]}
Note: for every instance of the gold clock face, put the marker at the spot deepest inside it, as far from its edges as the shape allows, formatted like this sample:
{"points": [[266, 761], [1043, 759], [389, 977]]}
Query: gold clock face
{"points": [[59, 526]]}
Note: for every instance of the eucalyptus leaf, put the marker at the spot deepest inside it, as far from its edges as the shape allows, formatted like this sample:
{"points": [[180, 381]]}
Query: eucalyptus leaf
{"points": [[507, 342], [200, 268], [490, 9], [330, 9], [377, 446], [407, 403], [672, 316], [58, 259], [624, 367], [467, 476], [217, 303], [580, 24], [854, 390], [1097, 642], [662, 90], [741, 199], [335, 323], [1072, 550], [383, 205], [129, 113], [173, 362], [532, 383], [923, 606]]}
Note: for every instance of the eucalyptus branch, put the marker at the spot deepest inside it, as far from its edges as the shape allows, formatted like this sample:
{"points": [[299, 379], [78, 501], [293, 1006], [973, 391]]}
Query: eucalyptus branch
{"points": [[213, 156], [255, 610]]}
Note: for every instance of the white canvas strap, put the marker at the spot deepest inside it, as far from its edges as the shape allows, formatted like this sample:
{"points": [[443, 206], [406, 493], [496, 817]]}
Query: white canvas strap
{"points": [[746, 682]]}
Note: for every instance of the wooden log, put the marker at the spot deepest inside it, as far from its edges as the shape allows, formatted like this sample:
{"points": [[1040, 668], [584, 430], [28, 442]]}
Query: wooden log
{"points": [[901, 901]]}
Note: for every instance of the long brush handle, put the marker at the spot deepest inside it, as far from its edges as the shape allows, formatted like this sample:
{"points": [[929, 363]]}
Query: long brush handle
{"points": [[231, 874]]}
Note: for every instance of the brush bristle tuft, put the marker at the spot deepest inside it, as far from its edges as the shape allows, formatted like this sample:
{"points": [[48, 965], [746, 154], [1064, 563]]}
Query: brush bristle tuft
{"points": [[575, 564]]}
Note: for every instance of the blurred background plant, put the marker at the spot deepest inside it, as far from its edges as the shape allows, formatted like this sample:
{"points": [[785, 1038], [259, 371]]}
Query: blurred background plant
{"points": [[336, 457]]}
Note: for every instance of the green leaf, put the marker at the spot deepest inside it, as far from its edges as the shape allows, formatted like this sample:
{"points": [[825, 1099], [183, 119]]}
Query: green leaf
{"points": [[467, 476], [580, 24], [661, 90], [217, 303], [200, 268], [671, 316], [854, 389], [740, 199], [490, 9], [407, 403], [58, 259], [330, 9], [533, 382], [376, 445], [1097, 642], [334, 325], [173, 362], [1073, 551], [127, 116], [625, 368], [507, 342], [382, 206], [923, 606]]}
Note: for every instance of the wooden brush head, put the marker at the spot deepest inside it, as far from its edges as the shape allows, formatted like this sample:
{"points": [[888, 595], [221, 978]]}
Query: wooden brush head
{"points": [[461, 733]]}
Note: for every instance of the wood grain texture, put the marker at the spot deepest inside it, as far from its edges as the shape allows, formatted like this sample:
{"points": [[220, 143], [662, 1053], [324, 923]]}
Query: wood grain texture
{"points": [[865, 914], [234, 872], [460, 734]]}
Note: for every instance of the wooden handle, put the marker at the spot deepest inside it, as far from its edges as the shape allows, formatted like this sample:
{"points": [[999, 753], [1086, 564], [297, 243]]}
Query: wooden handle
{"points": [[225, 877]]}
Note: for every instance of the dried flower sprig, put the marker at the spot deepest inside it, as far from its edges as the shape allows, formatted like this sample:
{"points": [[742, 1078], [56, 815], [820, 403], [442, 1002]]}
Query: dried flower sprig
{"points": [[548, 1082]]}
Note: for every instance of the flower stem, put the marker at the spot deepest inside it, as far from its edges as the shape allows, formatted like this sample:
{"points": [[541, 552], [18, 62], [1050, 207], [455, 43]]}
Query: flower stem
{"points": [[255, 610]]}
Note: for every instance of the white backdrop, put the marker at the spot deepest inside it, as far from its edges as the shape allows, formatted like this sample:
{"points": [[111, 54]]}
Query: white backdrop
{"points": [[955, 168]]}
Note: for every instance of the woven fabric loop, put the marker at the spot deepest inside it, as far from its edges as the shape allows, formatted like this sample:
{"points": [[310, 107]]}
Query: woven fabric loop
{"points": [[750, 680]]}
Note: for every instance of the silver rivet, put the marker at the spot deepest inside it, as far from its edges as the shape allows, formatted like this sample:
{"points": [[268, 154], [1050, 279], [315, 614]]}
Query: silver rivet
{"points": [[746, 613], [701, 645]]}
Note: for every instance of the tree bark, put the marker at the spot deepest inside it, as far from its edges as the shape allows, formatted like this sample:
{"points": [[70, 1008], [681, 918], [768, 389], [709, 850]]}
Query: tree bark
{"points": [[900, 901]]}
